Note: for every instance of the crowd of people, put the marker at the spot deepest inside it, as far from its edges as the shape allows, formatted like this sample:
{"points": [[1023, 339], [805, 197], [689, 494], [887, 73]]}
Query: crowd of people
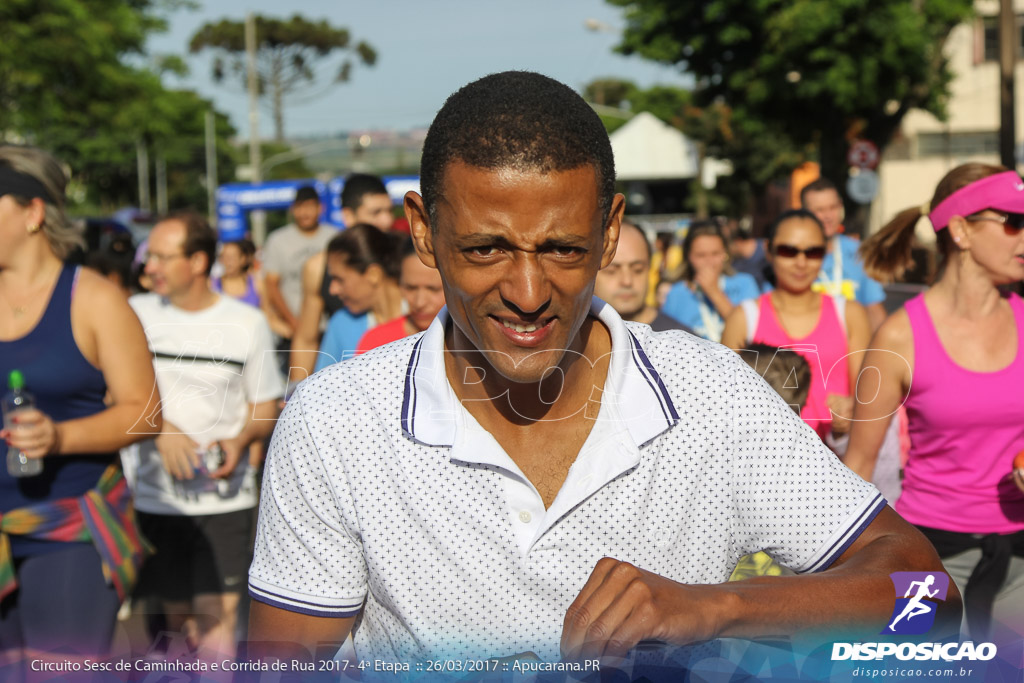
{"points": [[153, 410]]}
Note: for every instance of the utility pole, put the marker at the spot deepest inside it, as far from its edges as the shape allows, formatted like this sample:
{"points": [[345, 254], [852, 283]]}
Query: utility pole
{"points": [[1008, 37], [258, 218], [142, 158], [161, 184], [211, 168]]}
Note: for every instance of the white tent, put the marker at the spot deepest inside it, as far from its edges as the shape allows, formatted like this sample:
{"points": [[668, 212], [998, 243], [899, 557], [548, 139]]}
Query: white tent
{"points": [[647, 148]]}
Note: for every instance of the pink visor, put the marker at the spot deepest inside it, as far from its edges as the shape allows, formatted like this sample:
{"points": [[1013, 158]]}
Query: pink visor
{"points": [[1002, 192]]}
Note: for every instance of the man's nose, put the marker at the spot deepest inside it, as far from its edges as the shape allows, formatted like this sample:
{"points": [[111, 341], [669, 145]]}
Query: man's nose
{"points": [[526, 285]]}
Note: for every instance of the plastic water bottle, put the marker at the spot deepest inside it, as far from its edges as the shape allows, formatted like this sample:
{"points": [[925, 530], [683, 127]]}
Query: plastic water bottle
{"points": [[17, 400]]}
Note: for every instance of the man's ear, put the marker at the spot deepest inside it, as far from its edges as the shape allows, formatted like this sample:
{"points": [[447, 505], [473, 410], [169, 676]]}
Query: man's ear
{"points": [[200, 263], [419, 228], [611, 229], [348, 217]]}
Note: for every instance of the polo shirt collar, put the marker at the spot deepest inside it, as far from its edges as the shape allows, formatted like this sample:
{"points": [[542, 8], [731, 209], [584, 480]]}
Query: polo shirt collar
{"points": [[633, 390]]}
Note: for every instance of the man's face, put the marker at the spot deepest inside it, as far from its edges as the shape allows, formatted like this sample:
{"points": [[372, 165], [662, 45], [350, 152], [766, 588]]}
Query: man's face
{"points": [[306, 214], [422, 290], [375, 210], [171, 271], [518, 252], [828, 207], [623, 284]]}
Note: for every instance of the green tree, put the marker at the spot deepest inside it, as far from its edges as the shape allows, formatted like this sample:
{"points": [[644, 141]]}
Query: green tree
{"points": [[758, 153], [63, 61], [288, 55], [817, 72], [609, 91], [286, 170], [73, 80]]}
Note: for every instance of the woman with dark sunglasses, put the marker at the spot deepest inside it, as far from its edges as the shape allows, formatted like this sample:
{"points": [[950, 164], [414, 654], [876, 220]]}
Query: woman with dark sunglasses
{"points": [[954, 357], [829, 332]]}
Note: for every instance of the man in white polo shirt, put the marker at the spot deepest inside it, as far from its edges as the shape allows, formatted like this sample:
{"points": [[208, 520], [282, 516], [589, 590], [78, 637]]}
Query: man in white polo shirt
{"points": [[533, 474]]}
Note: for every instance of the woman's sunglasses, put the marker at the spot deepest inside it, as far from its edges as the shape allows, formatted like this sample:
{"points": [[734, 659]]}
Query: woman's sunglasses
{"points": [[789, 251], [1013, 223]]}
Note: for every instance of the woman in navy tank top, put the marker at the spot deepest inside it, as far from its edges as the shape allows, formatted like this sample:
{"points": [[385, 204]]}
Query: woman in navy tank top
{"points": [[69, 548]]}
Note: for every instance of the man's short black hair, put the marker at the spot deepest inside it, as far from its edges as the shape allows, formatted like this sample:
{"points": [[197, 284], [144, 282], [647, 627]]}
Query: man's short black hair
{"points": [[519, 120], [306, 193], [357, 186]]}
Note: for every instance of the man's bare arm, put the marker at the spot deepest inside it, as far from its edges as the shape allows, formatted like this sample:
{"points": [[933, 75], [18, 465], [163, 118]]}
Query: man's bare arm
{"points": [[272, 286], [306, 338], [622, 605]]}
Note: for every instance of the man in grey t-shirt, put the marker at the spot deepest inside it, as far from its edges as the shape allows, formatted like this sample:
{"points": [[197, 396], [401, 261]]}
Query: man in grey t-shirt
{"points": [[288, 248]]}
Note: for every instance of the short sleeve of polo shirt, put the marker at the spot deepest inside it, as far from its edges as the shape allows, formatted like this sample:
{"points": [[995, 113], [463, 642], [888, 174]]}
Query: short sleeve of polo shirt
{"points": [[793, 498], [308, 555]]}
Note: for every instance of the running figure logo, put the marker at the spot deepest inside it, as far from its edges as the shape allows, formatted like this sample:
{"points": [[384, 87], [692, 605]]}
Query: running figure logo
{"points": [[915, 611]]}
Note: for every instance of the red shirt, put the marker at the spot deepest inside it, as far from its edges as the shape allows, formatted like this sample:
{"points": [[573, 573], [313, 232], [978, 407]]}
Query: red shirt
{"points": [[382, 334]]}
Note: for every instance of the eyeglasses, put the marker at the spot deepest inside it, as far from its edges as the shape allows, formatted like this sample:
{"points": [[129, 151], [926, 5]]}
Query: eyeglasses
{"points": [[162, 258], [789, 251], [1013, 223]]}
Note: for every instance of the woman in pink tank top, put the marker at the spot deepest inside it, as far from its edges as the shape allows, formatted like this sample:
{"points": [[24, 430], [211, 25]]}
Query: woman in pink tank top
{"points": [[955, 357], [795, 317]]}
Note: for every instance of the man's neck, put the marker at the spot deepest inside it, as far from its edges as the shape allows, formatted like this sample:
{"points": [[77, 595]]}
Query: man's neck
{"points": [[560, 395], [307, 232], [199, 297], [645, 315]]}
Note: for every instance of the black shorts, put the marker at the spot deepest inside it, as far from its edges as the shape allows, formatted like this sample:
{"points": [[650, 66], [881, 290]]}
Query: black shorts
{"points": [[204, 554]]}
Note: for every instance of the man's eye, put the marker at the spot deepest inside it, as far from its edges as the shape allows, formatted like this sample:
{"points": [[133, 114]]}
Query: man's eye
{"points": [[566, 251], [483, 251]]}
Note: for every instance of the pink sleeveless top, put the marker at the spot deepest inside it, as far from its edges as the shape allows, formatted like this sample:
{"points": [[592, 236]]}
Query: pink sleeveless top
{"points": [[965, 429], [825, 350]]}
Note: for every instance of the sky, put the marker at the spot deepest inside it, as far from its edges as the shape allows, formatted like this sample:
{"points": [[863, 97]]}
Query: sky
{"points": [[426, 50]]}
